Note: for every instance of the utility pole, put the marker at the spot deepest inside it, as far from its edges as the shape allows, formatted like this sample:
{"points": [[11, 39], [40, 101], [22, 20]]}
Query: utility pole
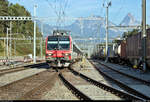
{"points": [[34, 57], [7, 44], [10, 39], [41, 39], [144, 33], [15, 47], [4, 48], [107, 7]]}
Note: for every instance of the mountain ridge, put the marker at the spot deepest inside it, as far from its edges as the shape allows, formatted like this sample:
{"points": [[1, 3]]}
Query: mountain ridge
{"points": [[93, 28], [129, 20]]}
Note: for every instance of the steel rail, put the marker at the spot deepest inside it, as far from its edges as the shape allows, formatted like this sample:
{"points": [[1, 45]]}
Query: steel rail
{"points": [[141, 80], [74, 90], [105, 87], [12, 70], [39, 88], [122, 85], [21, 85], [20, 68]]}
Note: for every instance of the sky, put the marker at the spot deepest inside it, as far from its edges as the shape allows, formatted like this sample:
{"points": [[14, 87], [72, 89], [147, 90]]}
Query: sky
{"points": [[85, 8]]}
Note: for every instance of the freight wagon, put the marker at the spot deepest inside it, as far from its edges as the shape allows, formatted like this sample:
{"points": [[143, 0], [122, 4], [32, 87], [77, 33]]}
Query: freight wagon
{"points": [[128, 51], [134, 51]]}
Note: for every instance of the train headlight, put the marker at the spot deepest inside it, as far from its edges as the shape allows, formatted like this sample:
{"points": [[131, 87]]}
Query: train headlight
{"points": [[67, 54], [50, 54]]}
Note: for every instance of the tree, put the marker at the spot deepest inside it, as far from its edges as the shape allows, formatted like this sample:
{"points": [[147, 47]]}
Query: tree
{"points": [[23, 28], [130, 33], [3, 12]]}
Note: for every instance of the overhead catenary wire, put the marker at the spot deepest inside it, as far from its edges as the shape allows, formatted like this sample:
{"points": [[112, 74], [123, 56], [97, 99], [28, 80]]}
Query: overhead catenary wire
{"points": [[64, 13], [53, 7], [117, 14], [59, 8]]}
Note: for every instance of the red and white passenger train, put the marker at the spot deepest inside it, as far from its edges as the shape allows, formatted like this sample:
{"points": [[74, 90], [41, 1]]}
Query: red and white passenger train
{"points": [[59, 49]]}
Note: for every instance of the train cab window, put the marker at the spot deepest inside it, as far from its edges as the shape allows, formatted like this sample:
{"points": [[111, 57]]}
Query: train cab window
{"points": [[59, 43], [64, 43], [52, 38]]}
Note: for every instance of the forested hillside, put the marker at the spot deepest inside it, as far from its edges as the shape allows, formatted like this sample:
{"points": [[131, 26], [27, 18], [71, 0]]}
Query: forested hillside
{"points": [[19, 29]]}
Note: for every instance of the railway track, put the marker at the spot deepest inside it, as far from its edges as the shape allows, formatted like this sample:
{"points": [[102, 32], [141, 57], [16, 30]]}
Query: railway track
{"points": [[16, 69], [120, 79], [73, 89], [141, 80], [25, 88], [34, 86], [112, 90], [11, 70], [36, 93]]}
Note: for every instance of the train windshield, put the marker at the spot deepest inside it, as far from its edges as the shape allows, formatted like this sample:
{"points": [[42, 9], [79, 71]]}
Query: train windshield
{"points": [[58, 43]]}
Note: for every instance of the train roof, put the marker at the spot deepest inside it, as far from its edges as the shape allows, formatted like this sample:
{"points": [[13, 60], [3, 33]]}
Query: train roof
{"points": [[61, 32], [59, 36]]}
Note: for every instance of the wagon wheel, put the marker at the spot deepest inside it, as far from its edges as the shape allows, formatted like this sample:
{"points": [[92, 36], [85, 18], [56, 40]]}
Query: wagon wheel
{"points": [[142, 66]]}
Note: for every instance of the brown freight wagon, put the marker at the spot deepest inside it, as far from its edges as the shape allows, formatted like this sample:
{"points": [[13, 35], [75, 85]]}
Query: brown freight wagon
{"points": [[122, 53], [148, 47], [123, 49], [134, 48]]}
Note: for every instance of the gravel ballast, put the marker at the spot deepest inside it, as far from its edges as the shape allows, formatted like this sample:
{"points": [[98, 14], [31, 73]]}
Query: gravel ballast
{"points": [[11, 77], [59, 92], [91, 72], [92, 91]]}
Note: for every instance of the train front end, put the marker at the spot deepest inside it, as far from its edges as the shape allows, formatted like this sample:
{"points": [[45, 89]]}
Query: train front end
{"points": [[58, 51]]}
